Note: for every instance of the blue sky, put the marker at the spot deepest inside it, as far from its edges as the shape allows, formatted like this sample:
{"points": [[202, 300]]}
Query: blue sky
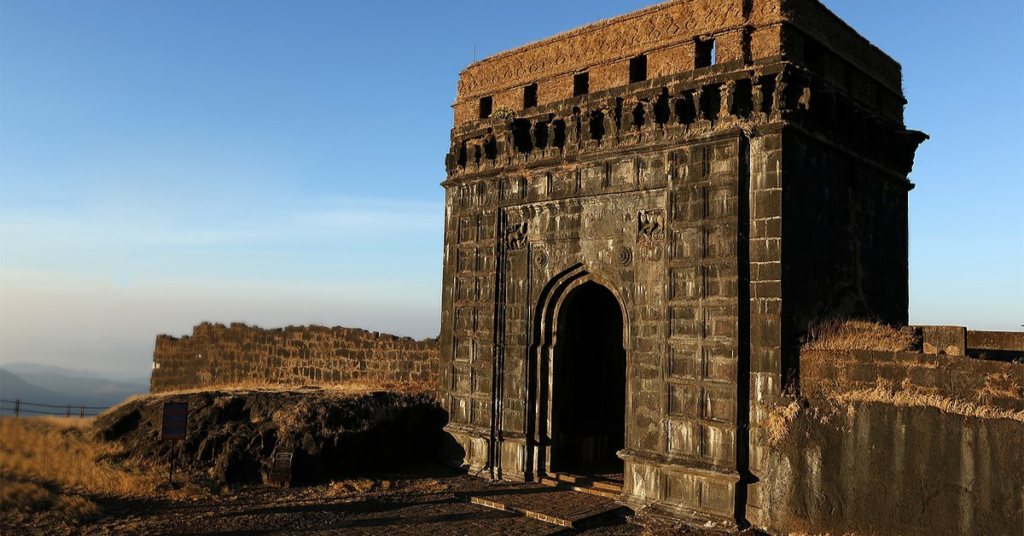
{"points": [[277, 162]]}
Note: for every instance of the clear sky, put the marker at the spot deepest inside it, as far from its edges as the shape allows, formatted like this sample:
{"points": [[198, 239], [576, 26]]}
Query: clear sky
{"points": [[277, 162]]}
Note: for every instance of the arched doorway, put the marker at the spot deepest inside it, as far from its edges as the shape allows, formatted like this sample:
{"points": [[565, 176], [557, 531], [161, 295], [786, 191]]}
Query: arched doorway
{"points": [[588, 412]]}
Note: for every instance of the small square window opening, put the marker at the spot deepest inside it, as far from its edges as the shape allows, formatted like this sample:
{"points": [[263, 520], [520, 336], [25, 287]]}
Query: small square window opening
{"points": [[705, 53], [638, 69], [581, 84], [530, 96]]}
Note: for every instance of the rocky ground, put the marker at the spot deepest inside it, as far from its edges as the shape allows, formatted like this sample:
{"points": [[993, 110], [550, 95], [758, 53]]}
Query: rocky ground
{"points": [[429, 501], [234, 435], [363, 464]]}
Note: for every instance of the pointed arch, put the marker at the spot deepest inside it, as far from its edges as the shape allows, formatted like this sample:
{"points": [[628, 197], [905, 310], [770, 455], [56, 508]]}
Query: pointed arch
{"points": [[554, 298]]}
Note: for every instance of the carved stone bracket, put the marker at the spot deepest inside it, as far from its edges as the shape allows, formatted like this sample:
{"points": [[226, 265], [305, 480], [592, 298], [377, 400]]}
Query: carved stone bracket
{"points": [[650, 226], [515, 237]]}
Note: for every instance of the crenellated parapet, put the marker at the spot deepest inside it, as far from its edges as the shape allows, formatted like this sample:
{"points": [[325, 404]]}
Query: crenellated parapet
{"points": [[678, 108]]}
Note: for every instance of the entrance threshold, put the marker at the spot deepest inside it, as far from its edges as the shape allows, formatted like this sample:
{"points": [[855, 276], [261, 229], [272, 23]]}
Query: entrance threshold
{"points": [[604, 485], [553, 504]]}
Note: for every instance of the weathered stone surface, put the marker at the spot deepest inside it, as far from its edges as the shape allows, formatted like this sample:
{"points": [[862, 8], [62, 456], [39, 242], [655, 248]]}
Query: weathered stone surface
{"points": [[921, 445], [1001, 345], [948, 340], [233, 436], [218, 355], [745, 31], [983, 383], [557, 505]]}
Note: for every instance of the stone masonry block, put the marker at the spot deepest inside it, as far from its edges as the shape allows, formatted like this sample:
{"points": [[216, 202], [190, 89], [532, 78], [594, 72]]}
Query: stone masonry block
{"points": [[554, 89], [671, 60], [766, 43], [949, 340], [607, 76], [729, 47], [511, 99]]}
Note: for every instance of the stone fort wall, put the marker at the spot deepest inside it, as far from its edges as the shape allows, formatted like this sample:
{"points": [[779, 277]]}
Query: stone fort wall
{"points": [[238, 354], [898, 444]]}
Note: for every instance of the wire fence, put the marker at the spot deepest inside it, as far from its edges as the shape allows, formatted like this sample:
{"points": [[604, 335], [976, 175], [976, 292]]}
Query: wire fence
{"points": [[18, 407]]}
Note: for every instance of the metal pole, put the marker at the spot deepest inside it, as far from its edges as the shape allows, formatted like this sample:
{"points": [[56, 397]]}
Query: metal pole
{"points": [[69, 410], [83, 411], [170, 470], [17, 406]]}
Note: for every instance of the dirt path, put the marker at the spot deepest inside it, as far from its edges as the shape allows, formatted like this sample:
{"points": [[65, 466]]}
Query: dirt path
{"points": [[428, 503]]}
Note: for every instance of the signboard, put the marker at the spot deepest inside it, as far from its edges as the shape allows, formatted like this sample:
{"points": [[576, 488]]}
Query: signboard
{"points": [[281, 470], [175, 421]]}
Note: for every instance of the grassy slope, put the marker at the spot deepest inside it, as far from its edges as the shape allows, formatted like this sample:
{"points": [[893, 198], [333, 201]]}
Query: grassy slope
{"points": [[54, 465], [51, 463]]}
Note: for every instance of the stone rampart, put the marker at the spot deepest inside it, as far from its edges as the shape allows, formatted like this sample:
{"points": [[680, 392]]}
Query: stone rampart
{"points": [[904, 443], [1001, 345], [984, 383], [219, 355]]}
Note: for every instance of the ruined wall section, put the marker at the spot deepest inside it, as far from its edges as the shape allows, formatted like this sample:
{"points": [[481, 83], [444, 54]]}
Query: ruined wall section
{"points": [[899, 444], [219, 355], [981, 383], [1001, 345]]}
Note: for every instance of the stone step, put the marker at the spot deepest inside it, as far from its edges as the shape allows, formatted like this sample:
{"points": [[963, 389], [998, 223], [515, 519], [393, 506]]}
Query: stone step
{"points": [[557, 505], [603, 485], [604, 490]]}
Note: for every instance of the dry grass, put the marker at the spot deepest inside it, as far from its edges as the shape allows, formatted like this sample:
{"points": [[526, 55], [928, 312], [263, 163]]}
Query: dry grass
{"points": [[34, 497], [269, 386], [51, 463], [916, 398], [859, 335], [24, 496], [779, 422], [1000, 386]]}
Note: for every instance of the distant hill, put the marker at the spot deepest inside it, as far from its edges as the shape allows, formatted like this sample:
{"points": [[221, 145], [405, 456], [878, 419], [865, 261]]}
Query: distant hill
{"points": [[24, 369], [14, 387], [74, 388], [42, 385], [34, 368]]}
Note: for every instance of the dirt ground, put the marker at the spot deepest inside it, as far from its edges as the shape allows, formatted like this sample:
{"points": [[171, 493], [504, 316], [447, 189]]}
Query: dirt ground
{"points": [[428, 502]]}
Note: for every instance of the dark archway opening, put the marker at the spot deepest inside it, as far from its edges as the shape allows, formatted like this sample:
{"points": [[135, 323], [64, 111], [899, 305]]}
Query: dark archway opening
{"points": [[589, 388]]}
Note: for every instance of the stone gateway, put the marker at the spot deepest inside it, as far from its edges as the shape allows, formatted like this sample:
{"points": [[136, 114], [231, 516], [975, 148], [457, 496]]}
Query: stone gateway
{"points": [[642, 216]]}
